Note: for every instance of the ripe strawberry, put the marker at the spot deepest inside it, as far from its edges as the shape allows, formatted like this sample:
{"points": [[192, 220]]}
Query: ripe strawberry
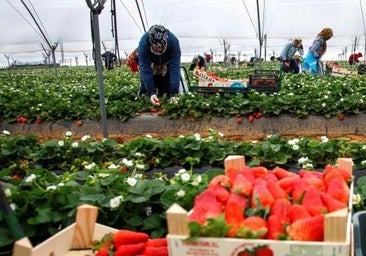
{"points": [[259, 171], [79, 123], [338, 189], [298, 212], [270, 176], [264, 251], [276, 190], [222, 180], [312, 202], [242, 185], [261, 196], [299, 186], [239, 120], [234, 212], [280, 209], [282, 173], [38, 121], [341, 116], [247, 172], [309, 229], [331, 203], [250, 118], [276, 228], [130, 249], [254, 227], [22, 120], [222, 194], [156, 251], [258, 115], [316, 183], [124, 236], [102, 252], [330, 172], [157, 242], [205, 206], [245, 253]]}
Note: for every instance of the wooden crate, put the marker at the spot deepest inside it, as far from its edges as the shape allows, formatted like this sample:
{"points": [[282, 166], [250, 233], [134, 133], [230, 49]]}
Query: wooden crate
{"points": [[337, 233], [74, 240]]}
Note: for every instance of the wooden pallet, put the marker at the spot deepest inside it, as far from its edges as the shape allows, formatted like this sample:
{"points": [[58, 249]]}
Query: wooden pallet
{"points": [[74, 240]]}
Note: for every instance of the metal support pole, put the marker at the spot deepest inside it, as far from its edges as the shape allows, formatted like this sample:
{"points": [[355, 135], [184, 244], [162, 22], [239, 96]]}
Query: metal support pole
{"points": [[98, 59]]}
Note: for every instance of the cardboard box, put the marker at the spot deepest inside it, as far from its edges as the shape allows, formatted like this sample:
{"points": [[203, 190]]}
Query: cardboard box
{"points": [[337, 232], [74, 240]]}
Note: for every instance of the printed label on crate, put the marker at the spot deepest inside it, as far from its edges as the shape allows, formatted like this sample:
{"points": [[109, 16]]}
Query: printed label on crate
{"points": [[203, 76], [245, 247]]}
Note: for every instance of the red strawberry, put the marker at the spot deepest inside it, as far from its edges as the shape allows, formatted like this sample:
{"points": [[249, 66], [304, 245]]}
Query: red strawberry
{"points": [[254, 227], [309, 229], [341, 116], [251, 118], [263, 195], [298, 212], [271, 176], [264, 251], [276, 190], [22, 120], [239, 120], [130, 249], [247, 172], [222, 180], [222, 194], [280, 209], [282, 173], [338, 189], [157, 242], [242, 185], [315, 181], [205, 206], [124, 236], [38, 121], [330, 172], [102, 252], [234, 212], [276, 228], [299, 187], [245, 253], [79, 123], [258, 115], [331, 203], [156, 251], [312, 202], [259, 171]]}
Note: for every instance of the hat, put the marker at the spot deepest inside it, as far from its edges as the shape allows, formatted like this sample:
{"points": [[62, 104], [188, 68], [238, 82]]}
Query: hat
{"points": [[158, 37]]}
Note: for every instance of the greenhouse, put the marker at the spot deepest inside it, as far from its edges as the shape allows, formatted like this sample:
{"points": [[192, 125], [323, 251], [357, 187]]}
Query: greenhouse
{"points": [[177, 128]]}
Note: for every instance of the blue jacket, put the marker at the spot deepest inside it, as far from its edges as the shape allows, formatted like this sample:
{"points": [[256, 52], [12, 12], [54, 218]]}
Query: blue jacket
{"points": [[171, 56], [289, 51]]}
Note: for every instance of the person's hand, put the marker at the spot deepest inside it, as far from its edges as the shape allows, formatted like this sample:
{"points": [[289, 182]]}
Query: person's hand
{"points": [[155, 100], [287, 64], [173, 99]]}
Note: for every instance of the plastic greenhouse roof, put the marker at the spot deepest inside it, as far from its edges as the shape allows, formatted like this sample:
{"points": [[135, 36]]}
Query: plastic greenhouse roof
{"points": [[201, 26]]}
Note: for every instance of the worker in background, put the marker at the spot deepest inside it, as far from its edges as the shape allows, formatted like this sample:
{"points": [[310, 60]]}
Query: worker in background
{"points": [[353, 59], [109, 59], [290, 63], [198, 62]]}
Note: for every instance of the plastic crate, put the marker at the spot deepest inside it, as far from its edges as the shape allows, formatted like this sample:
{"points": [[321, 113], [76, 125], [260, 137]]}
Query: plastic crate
{"points": [[359, 226], [265, 81], [223, 91]]}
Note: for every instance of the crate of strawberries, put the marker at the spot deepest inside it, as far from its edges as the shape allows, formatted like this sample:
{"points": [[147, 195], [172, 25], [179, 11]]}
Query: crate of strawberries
{"points": [[255, 211]]}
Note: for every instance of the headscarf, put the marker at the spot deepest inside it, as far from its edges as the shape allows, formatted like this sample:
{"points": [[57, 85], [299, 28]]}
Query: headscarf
{"points": [[158, 37]]}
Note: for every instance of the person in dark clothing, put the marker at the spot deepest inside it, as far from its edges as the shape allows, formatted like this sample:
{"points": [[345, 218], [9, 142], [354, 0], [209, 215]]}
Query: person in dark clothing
{"points": [[353, 59], [289, 62], [159, 64], [198, 62], [109, 59]]}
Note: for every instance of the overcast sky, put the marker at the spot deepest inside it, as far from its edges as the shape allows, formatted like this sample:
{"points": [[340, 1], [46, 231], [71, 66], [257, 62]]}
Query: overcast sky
{"points": [[200, 25]]}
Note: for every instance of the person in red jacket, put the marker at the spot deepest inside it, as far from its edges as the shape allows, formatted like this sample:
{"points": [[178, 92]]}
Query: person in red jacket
{"points": [[353, 59]]}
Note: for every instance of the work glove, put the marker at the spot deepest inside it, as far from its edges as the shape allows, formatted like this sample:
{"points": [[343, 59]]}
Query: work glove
{"points": [[155, 100], [173, 99]]}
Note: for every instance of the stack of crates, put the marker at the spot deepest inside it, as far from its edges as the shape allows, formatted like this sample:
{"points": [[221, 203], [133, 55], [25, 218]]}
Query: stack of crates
{"points": [[267, 81]]}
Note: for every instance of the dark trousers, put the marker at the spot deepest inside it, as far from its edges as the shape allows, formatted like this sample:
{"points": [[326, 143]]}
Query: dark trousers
{"points": [[161, 83], [294, 67]]}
